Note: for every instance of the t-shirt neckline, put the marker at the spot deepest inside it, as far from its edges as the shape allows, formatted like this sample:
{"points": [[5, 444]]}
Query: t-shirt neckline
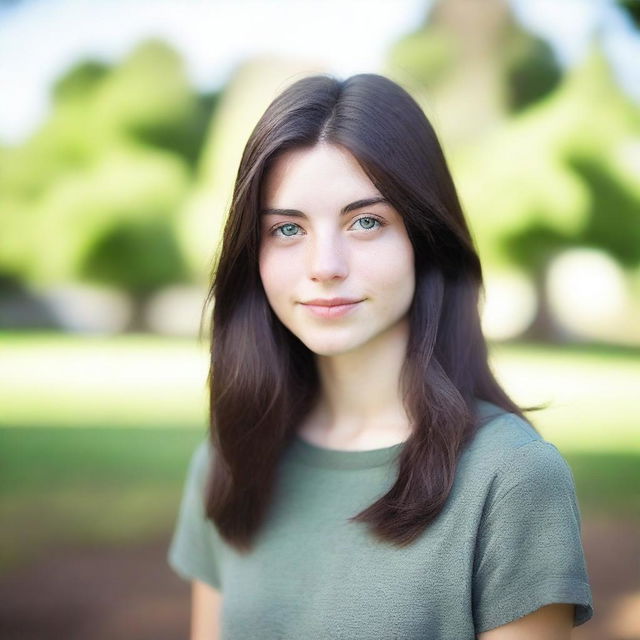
{"points": [[314, 455], [317, 456]]}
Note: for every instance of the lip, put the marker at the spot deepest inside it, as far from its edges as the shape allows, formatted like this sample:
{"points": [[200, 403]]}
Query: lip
{"points": [[331, 309], [330, 302]]}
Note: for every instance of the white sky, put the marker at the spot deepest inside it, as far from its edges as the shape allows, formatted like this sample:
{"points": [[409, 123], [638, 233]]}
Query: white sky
{"points": [[40, 39]]}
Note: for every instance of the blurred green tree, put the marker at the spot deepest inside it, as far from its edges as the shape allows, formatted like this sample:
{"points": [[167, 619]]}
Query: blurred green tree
{"points": [[632, 9], [468, 48], [560, 175], [94, 194], [79, 81], [148, 98]]}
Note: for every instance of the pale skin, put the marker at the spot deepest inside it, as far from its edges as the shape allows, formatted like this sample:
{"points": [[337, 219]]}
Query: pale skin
{"points": [[206, 607], [312, 248], [363, 254]]}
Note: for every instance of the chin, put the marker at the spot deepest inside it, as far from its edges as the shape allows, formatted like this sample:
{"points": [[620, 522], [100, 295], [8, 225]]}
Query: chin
{"points": [[330, 347]]}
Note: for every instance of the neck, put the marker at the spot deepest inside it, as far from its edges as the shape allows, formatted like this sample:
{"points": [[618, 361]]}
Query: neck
{"points": [[360, 395]]}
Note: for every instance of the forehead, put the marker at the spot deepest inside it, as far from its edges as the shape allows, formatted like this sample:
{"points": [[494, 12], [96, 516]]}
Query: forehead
{"points": [[298, 172]]}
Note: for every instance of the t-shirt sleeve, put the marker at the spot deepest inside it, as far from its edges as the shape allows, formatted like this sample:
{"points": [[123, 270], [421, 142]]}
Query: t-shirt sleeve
{"points": [[193, 551], [529, 550]]}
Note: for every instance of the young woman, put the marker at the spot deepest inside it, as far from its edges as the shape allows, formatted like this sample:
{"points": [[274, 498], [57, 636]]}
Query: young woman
{"points": [[365, 475]]}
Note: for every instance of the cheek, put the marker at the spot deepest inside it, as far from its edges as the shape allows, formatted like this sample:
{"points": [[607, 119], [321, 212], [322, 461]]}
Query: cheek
{"points": [[391, 270], [397, 273], [275, 274]]}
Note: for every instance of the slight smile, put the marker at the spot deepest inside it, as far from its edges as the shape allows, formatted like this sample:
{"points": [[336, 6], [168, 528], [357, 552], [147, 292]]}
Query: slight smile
{"points": [[334, 308]]}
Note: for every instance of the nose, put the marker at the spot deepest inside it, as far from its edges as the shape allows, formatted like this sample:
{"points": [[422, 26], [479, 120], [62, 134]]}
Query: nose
{"points": [[327, 259]]}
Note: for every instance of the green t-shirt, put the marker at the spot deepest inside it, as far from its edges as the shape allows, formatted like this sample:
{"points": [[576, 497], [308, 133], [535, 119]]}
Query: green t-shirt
{"points": [[507, 542]]}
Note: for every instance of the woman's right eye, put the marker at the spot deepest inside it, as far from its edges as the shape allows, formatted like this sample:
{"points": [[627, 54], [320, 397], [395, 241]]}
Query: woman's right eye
{"points": [[286, 228]]}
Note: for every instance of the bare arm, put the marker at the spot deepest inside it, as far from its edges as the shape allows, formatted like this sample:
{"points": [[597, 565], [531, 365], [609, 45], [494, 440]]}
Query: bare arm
{"points": [[552, 622], [206, 606]]}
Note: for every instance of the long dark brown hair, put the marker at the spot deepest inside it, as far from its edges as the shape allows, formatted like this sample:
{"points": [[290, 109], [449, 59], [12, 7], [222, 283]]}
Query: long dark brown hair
{"points": [[263, 380]]}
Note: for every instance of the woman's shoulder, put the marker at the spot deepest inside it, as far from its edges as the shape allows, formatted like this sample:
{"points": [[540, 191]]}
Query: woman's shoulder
{"points": [[500, 431], [201, 459], [512, 451], [527, 525]]}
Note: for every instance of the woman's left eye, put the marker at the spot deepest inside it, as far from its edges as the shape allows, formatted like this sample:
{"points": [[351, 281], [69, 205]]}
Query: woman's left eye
{"points": [[368, 222]]}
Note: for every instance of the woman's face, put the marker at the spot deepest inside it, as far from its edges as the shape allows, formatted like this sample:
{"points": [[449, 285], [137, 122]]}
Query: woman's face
{"points": [[328, 244]]}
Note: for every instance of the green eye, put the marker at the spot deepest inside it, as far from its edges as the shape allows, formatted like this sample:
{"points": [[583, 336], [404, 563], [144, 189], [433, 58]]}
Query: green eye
{"points": [[371, 222], [289, 226], [290, 229]]}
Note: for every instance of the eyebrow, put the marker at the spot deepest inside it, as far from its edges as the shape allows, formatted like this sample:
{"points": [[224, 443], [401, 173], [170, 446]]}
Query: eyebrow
{"points": [[358, 204]]}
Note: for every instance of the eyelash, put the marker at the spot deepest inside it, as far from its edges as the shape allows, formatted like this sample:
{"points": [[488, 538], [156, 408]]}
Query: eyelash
{"points": [[380, 222]]}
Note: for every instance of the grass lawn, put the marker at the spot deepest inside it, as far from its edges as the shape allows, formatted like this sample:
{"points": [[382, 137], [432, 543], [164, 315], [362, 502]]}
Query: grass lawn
{"points": [[98, 485], [95, 433]]}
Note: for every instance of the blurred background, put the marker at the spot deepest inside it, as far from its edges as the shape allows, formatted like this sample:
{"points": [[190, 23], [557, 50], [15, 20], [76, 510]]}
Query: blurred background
{"points": [[121, 128]]}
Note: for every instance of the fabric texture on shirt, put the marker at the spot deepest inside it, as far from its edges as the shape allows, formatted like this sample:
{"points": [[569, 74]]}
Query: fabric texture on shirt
{"points": [[507, 542]]}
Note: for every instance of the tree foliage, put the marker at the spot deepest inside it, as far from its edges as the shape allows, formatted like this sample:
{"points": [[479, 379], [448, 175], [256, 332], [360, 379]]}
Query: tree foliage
{"points": [[94, 194]]}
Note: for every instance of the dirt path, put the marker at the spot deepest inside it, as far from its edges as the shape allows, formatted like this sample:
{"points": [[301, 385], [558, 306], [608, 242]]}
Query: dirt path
{"points": [[95, 594], [130, 593]]}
